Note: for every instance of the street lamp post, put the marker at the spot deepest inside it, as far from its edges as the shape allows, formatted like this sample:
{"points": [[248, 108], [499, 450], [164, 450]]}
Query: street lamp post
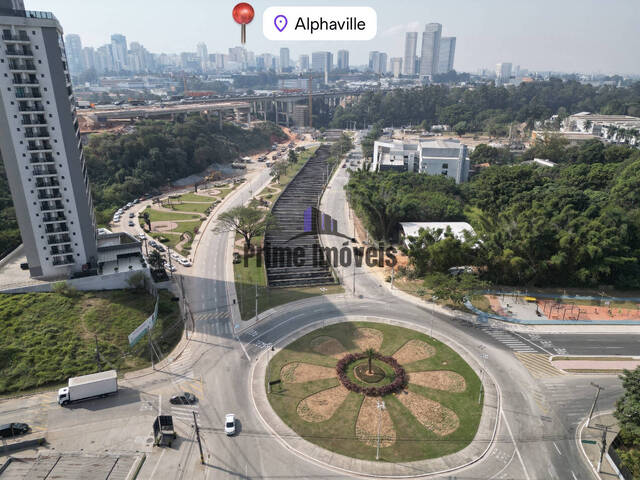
{"points": [[380, 406], [484, 362], [595, 400]]}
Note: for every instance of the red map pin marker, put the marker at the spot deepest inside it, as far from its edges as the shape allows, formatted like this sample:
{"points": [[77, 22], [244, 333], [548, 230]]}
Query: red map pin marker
{"points": [[243, 14]]}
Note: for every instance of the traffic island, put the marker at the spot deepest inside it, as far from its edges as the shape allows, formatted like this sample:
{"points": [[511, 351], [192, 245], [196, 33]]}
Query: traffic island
{"points": [[319, 396]]}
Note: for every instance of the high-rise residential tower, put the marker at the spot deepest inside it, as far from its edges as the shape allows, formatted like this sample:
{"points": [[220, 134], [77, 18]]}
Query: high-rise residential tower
{"points": [[430, 54], [343, 60], [40, 145], [303, 63], [447, 54], [321, 61], [503, 73], [285, 61], [119, 51], [409, 63], [73, 46], [396, 66], [378, 62]]}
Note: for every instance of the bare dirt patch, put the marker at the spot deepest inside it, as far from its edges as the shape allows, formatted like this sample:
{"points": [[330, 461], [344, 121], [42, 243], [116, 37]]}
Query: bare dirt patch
{"points": [[437, 418], [163, 226], [367, 424], [322, 405], [305, 372], [325, 345], [414, 350], [366, 338], [439, 380]]}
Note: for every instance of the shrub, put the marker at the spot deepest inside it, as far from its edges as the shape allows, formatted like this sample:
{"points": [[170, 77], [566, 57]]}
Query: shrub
{"points": [[399, 382], [63, 288]]}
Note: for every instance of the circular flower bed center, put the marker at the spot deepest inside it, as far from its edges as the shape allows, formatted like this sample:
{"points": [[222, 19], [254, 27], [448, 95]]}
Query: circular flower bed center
{"points": [[361, 372]]}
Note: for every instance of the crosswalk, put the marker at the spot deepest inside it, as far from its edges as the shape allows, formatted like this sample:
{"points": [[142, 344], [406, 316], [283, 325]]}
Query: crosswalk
{"points": [[563, 395], [508, 339], [538, 365]]}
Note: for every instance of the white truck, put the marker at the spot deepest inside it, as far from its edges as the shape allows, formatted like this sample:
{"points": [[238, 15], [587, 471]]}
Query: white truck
{"points": [[85, 387]]}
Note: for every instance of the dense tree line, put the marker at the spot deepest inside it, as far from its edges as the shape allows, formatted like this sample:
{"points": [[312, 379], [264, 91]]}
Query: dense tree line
{"points": [[576, 224], [123, 167], [487, 108], [628, 415]]}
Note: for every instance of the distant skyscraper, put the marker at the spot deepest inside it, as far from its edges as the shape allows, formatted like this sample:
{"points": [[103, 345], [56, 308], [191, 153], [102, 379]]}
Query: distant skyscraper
{"points": [[303, 63], [104, 59], [378, 62], [203, 55], [40, 147], [321, 61], [343, 60], [396, 66], [410, 43], [430, 53], [119, 51], [447, 54], [73, 46], [284, 60], [503, 73], [88, 57]]}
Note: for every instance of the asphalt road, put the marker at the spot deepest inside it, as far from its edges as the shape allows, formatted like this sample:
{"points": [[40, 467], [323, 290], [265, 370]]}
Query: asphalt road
{"points": [[536, 435]]}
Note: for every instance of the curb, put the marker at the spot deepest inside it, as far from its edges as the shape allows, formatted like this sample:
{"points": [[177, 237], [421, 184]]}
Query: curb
{"points": [[449, 342]]}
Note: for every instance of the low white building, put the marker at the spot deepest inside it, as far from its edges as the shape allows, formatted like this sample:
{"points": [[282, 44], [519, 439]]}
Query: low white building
{"points": [[458, 229], [433, 157], [614, 128]]}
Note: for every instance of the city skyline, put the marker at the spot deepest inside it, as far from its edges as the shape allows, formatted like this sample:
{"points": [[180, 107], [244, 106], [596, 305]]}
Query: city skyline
{"points": [[529, 37]]}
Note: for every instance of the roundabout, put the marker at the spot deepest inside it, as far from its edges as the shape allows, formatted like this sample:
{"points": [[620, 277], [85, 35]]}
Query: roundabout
{"points": [[347, 386]]}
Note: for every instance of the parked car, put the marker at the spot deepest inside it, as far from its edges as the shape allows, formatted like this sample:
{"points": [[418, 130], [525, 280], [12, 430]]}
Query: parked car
{"points": [[131, 224], [13, 429], [171, 268], [184, 262], [185, 398], [175, 256], [160, 248], [153, 243], [24, 266], [230, 424], [131, 215]]}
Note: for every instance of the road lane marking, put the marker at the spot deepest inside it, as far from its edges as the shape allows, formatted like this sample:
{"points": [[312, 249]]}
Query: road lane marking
{"points": [[574, 475], [557, 449], [515, 445]]}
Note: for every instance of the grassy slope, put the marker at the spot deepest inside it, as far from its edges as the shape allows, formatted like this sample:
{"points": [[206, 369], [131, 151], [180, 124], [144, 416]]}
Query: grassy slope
{"points": [[337, 434], [47, 337]]}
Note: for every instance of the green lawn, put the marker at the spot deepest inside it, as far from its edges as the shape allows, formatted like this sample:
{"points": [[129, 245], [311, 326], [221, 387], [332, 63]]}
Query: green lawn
{"points": [[194, 197], [413, 440], [186, 227], [246, 279], [160, 216], [174, 238], [191, 207], [46, 338]]}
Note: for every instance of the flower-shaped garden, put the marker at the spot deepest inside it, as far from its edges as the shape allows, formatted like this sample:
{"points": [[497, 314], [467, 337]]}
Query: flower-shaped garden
{"points": [[332, 383]]}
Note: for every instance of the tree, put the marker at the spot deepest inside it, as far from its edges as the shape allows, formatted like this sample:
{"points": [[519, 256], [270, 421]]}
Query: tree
{"points": [[628, 415], [293, 157], [278, 169], [147, 220], [370, 353], [156, 260], [246, 221]]}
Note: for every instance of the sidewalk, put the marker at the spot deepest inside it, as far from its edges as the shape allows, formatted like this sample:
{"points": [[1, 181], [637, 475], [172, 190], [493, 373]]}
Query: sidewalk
{"points": [[590, 441]]}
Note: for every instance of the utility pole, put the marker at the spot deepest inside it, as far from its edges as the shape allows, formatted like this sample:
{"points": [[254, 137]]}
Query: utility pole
{"points": [[269, 367], [256, 300], [153, 366], [170, 266], [484, 361], [595, 400], [380, 407], [393, 274], [97, 354], [195, 421], [605, 429]]}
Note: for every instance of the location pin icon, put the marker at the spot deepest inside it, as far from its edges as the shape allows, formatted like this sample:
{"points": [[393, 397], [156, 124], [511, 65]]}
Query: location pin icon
{"points": [[280, 22], [243, 14]]}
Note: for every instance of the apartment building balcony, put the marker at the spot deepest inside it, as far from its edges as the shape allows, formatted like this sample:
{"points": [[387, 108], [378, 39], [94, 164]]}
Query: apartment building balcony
{"points": [[62, 261], [42, 158], [61, 250], [61, 228], [25, 81], [36, 107], [47, 182], [41, 147], [34, 120], [58, 239], [53, 194], [51, 206], [19, 50], [28, 93], [54, 217], [20, 37], [21, 65], [36, 133]]}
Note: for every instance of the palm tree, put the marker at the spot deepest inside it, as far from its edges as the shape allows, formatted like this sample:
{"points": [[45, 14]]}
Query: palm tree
{"points": [[370, 352], [156, 260]]}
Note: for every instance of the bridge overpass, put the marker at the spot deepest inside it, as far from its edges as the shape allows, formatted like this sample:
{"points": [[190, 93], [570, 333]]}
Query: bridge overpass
{"points": [[289, 109]]}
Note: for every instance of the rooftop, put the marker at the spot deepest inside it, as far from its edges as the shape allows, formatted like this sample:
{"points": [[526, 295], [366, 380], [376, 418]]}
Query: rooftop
{"points": [[412, 229]]}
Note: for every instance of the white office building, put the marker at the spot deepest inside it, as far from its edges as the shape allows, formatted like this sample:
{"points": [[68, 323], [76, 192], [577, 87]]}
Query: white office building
{"points": [[409, 62], [503, 73], [447, 54], [433, 157], [430, 54]]}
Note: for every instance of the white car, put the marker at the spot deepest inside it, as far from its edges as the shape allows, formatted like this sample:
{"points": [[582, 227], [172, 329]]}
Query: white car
{"points": [[171, 268], [184, 262], [230, 424], [175, 256]]}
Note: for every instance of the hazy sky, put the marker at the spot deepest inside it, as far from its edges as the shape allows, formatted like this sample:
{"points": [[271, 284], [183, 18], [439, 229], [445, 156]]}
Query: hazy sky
{"points": [[564, 35]]}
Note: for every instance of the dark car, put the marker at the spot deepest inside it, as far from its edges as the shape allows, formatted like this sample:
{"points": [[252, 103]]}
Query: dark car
{"points": [[160, 248], [24, 266], [13, 429], [186, 398]]}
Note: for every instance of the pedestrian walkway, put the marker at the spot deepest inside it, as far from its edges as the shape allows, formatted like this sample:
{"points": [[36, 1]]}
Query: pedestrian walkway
{"points": [[538, 365], [558, 393], [603, 426], [508, 339], [184, 413]]}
